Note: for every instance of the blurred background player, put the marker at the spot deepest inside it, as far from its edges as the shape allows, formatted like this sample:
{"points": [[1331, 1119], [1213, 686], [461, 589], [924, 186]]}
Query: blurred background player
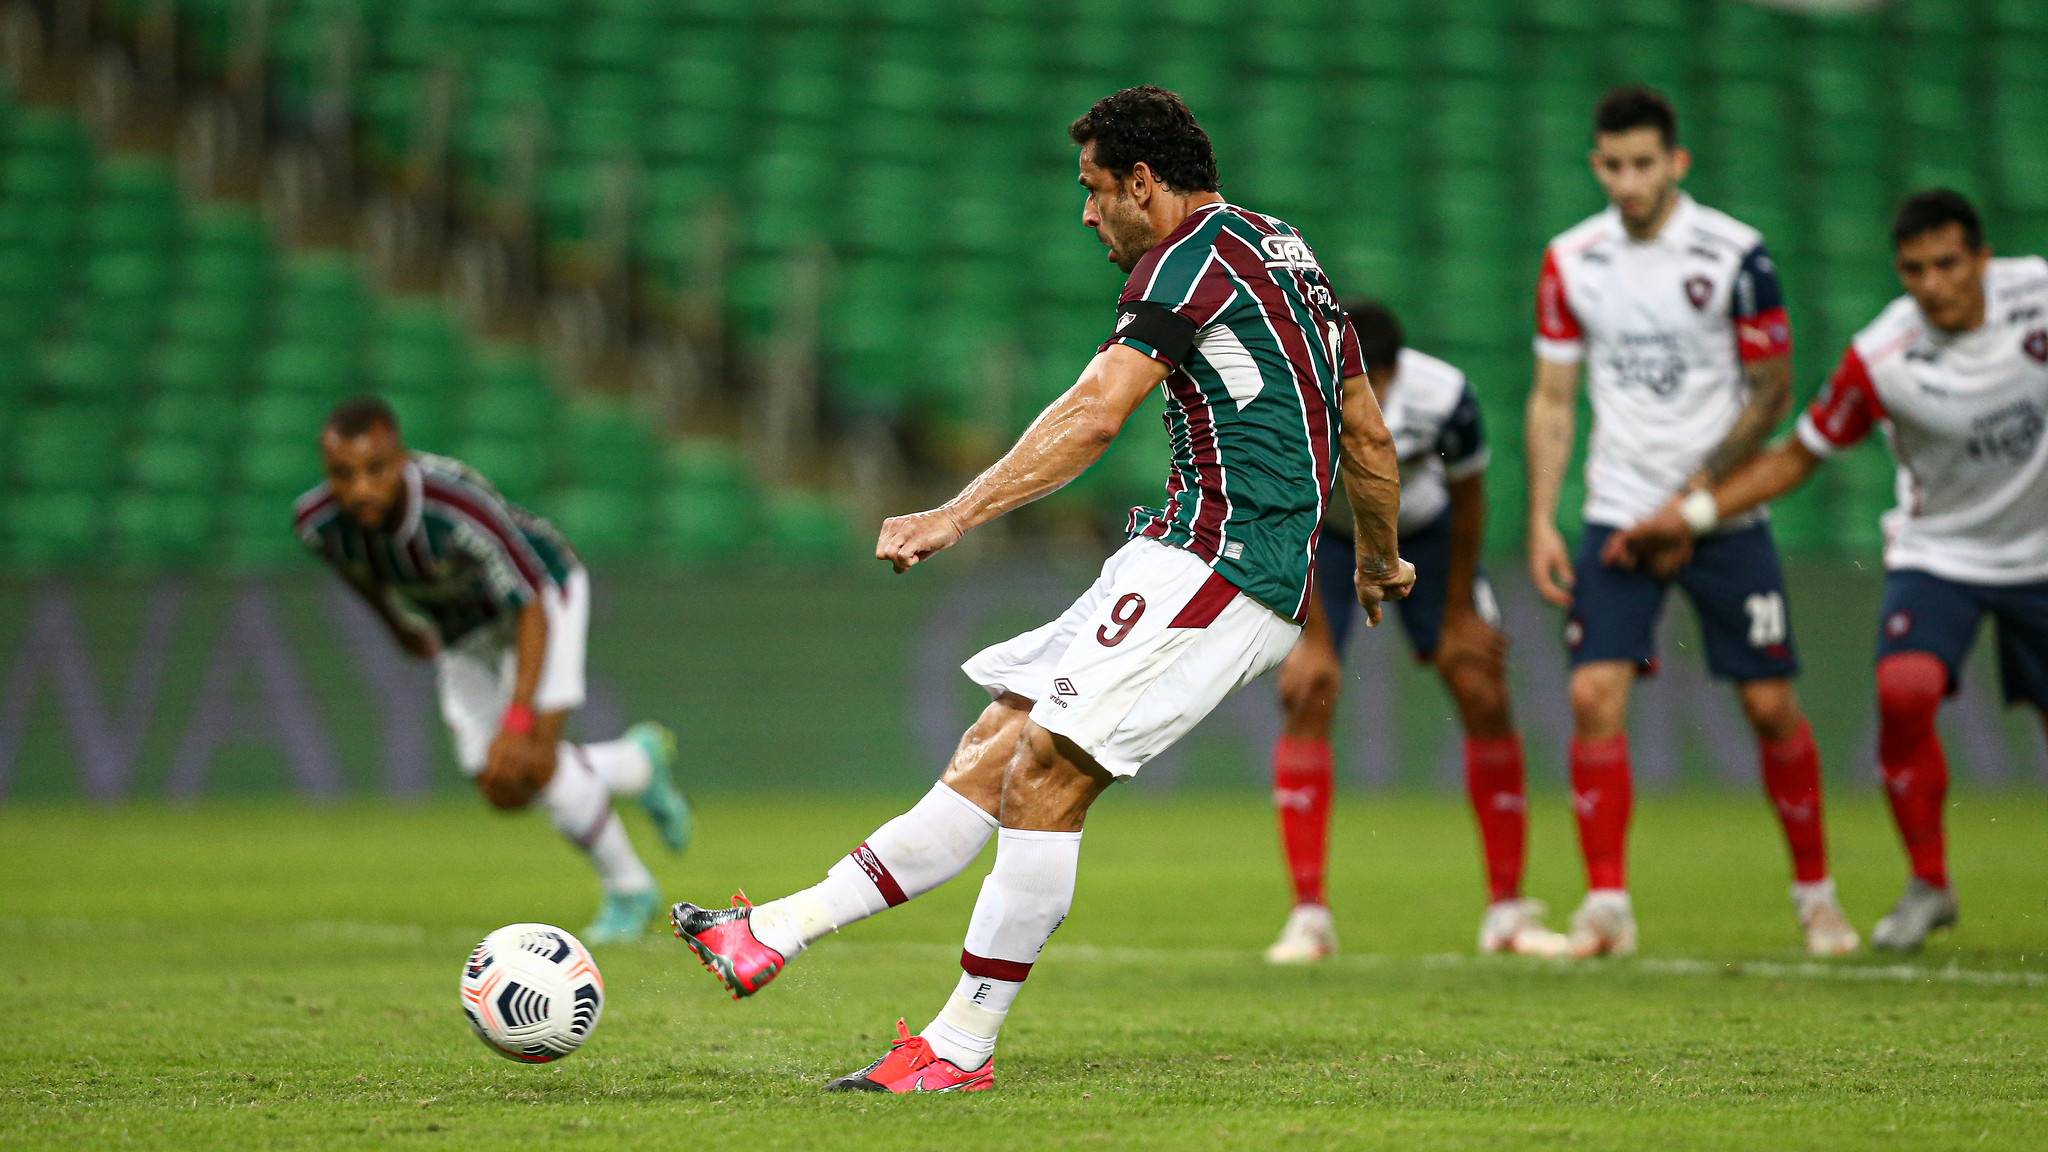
{"points": [[1956, 371], [1675, 309], [1206, 595], [1451, 619], [494, 596]]}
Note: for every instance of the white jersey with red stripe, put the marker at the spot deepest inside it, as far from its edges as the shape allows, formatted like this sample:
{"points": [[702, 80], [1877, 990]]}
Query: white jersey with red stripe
{"points": [[1665, 326], [1964, 414]]}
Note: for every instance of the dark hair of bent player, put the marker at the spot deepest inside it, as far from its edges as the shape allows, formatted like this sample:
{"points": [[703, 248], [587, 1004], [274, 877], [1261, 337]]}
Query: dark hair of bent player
{"points": [[1923, 212], [1636, 106], [1148, 124], [359, 415], [1380, 338]]}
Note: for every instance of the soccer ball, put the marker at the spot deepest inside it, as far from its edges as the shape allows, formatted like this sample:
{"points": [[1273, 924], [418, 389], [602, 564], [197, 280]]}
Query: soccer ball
{"points": [[532, 993]]}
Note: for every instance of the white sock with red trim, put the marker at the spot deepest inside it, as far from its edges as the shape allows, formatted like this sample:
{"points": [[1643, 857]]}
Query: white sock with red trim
{"points": [[1023, 901], [580, 807], [621, 764], [911, 855]]}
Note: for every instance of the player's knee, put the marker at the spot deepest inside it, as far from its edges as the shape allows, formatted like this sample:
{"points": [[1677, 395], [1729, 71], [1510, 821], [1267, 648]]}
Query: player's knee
{"points": [[1910, 686], [1311, 695], [1599, 703], [1482, 698], [1771, 708]]}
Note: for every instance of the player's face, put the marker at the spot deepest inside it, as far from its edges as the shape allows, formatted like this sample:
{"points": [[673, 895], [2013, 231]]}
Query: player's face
{"points": [[366, 472], [1116, 218], [1945, 276], [1639, 174]]}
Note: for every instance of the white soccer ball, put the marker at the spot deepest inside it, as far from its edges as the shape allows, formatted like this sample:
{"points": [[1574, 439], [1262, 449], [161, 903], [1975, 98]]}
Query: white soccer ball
{"points": [[532, 993]]}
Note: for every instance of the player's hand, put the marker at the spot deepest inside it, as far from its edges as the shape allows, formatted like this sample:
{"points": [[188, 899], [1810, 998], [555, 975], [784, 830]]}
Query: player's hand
{"points": [[1550, 564], [1377, 583], [1662, 544], [906, 540], [1467, 639], [517, 767], [417, 642]]}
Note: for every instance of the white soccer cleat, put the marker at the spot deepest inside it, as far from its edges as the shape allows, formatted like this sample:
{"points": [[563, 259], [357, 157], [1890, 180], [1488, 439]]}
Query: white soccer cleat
{"points": [[1516, 926], [1604, 925], [1827, 930], [1309, 935]]}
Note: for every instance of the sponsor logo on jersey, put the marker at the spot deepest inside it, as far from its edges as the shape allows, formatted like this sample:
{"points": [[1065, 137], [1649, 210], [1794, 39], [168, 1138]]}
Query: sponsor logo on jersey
{"points": [[2010, 433], [1699, 290], [2036, 345], [1289, 252]]}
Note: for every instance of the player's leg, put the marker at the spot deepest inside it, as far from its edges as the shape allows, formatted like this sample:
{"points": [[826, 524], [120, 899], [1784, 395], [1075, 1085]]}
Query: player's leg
{"points": [[1165, 648], [1926, 630], [1737, 587], [1611, 635], [1303, 776], [918, 851]]}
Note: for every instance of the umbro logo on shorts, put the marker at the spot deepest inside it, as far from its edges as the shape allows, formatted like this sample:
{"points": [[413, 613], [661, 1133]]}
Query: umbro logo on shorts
{"points": [[1063, 687], [1290, 252]]}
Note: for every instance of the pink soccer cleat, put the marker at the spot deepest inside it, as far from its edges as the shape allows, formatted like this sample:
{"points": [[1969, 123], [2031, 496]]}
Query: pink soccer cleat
{"points": [[910, 1066], [723, 939]]}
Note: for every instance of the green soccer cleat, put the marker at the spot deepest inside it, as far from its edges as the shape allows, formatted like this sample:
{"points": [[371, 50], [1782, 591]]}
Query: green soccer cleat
{"points": [[665, 803], [622, 918]]}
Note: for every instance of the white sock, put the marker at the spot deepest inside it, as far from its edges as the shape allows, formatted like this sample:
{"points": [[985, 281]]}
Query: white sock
{"points": [[911, 855], [621, 764], [580, 808], [1023, 901]]}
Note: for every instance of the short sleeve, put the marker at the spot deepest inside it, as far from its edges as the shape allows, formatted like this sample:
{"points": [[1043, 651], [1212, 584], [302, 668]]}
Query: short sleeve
{"points": [[1558, 338], [1351, 355], [1844, 412], [1462, 440], [1757, 305]]}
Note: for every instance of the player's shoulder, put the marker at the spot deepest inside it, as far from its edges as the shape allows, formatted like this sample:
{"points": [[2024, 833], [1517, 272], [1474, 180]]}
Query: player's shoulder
{"points": [[1593, 235], [315, 508], [1896, 328], [1711, 226], [448, 483], [2013, 279], [1428, 382], [1180, 257]]}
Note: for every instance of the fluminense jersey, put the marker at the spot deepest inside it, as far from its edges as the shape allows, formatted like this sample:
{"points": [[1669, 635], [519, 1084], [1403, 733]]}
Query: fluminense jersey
{"points": [[1235, 305], [1433, 416], [1664, 326], [461, 556], [1964, 414]]}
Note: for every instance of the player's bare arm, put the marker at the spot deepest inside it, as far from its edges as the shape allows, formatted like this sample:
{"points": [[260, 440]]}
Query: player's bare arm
{"points": [[1770, 400], [1071, 434], [522, 757], [1764, 479], [1467, 638], [1372, 482], [1549, 425]]}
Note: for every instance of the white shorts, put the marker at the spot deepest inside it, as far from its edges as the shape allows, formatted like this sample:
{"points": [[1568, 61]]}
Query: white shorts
{"points": [[477, 673], [1141, 657]]}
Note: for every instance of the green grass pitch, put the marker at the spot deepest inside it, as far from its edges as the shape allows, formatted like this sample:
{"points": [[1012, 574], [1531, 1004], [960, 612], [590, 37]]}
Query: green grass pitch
{"points": [[272, 976]]}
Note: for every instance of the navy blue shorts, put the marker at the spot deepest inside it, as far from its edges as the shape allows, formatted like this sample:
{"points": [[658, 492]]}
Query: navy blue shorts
{"points": [[1734, 583], [1422, 611], [1927, 613]]}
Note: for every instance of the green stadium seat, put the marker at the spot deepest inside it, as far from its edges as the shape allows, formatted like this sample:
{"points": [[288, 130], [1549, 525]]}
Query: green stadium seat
{"points": [[426, 419], [192, 367], [281, 468], [519, 467], [601, 522], [317, 368], [508, 411], [178, 465], [126, 278], [49, 528], [70, 448], [259, 531], [223, 322], [286, 416], [205, 417], [159, 529], [226, 273], [605, 445], [808, 528], [89, 370], [702, 526]]}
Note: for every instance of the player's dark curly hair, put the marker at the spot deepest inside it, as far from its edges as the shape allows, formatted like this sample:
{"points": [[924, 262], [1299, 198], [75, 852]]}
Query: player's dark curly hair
{"points": [[359, 415], [1636, 106], [1923, 212], [1151, 125], [1380, 338]]}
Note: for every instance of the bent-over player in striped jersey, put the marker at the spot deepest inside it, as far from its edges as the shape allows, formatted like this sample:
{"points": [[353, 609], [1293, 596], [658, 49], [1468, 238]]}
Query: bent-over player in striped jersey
{"points": [[494, 597], [1228, 311]]}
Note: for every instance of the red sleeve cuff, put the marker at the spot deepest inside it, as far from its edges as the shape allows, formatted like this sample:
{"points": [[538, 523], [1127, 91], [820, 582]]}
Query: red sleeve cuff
{"points": [[1764, 335]]}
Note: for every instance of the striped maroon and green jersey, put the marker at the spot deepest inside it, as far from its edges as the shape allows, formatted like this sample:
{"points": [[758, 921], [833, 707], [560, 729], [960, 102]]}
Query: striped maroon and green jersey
{"points": [[1236, 307], [461, 555]]}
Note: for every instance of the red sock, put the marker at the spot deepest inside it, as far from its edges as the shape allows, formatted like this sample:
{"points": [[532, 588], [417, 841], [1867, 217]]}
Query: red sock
{"points": [[1910, 686], [1601, 798], [1791, 770], [1301, 798], [1500, 801]]}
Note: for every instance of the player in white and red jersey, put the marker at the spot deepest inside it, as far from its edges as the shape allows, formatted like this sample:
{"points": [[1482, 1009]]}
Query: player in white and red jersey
{"points": [[1675, 311], [1452, 621], [1956, 373]]}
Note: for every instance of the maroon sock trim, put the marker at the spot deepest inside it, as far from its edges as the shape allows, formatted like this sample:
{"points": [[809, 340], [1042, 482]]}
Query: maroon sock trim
{"points": [[878, 874], [989, 969]]}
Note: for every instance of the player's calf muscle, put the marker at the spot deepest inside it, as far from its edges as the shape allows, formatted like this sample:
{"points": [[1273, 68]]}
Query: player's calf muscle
{"points": [[983, 757], [1482, 698], [1050, 784]]}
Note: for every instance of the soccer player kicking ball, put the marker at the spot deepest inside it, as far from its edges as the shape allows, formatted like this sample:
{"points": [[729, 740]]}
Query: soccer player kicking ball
{"points": [[1227, 309], [1451, 620], [1676, 311], [1956, 370], [494, 597]]}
